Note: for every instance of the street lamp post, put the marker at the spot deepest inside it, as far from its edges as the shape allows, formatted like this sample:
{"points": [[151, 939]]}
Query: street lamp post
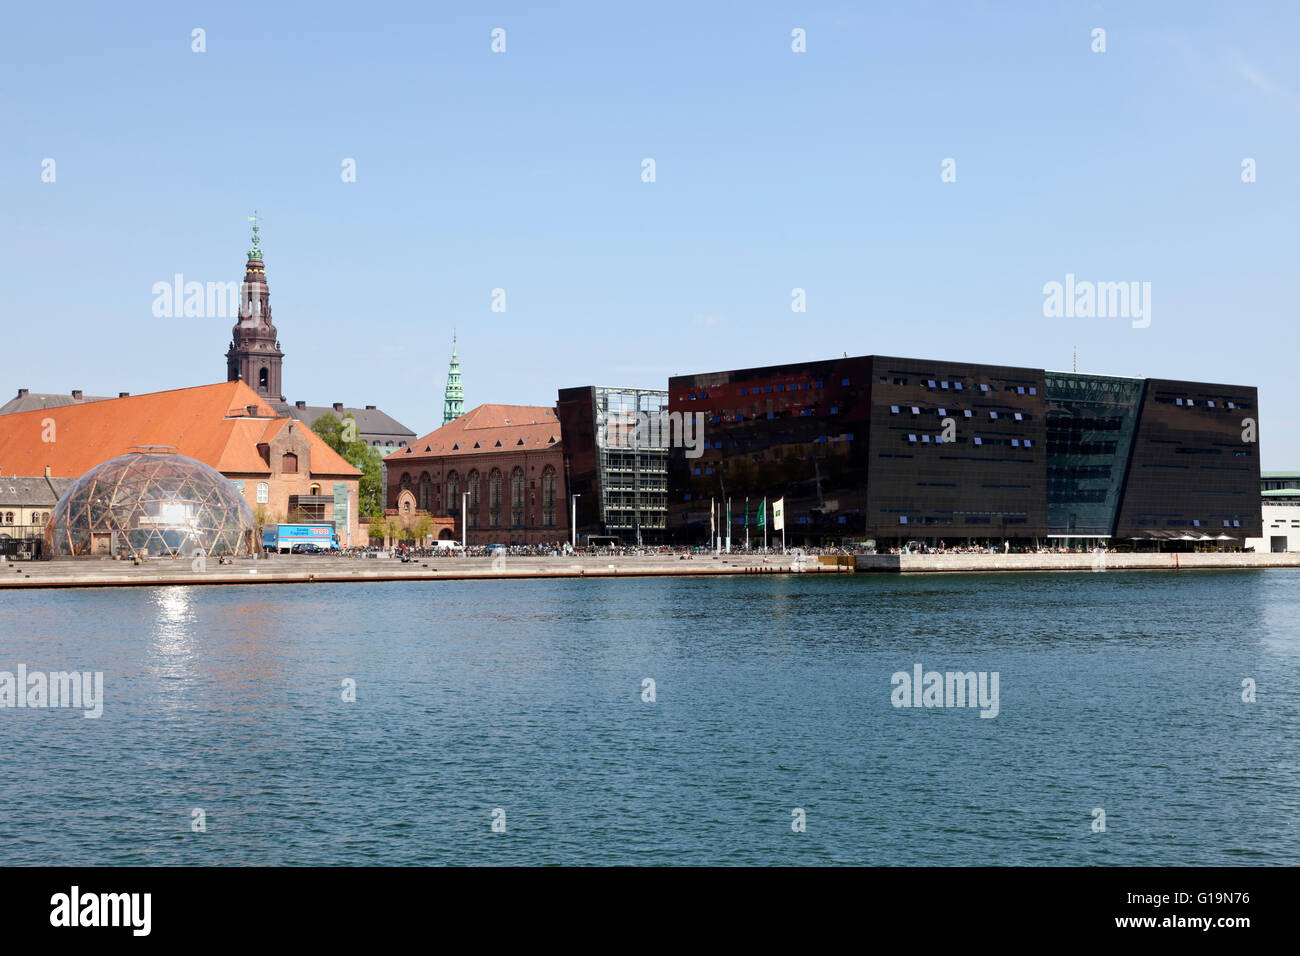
{"points": [[573, 514], [464, 527]]}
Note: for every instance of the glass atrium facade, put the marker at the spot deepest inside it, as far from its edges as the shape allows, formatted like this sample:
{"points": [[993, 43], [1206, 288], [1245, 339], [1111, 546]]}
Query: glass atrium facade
{"points": [[1091, 421], [616, 452]]}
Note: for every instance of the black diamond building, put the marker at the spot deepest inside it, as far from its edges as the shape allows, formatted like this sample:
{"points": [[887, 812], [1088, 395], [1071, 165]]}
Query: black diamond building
{"points": [[895, 450]]}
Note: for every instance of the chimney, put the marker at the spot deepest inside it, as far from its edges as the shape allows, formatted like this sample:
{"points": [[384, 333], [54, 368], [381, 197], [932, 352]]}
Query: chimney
{"points": [[123, 394], [338, 406], [76, 394], [299, 404], [252, 410], [22, 393], [47, 467], [370, 408]]}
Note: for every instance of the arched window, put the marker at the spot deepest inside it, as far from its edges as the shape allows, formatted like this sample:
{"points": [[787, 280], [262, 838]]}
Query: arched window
{"points": [[263, 492], [517, 498], [9, 517], [426, 492], [261, 380], [289, 464], [453, 493], [473, 485], [494, 498], [548, 496], [315, 489]]}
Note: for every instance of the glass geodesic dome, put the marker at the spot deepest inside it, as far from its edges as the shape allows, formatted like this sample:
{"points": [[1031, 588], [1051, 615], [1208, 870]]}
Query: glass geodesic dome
{"points": [[153, 503]]}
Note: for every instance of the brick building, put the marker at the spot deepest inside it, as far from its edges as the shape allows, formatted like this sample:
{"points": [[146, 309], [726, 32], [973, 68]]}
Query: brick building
{"points": [[278, 464], [508, 460]]}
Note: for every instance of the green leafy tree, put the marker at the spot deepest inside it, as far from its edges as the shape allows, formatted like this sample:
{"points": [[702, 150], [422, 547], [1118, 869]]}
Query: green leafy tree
{"points": [[341, 435], [262, 517], [421, 528], [380, 529]]}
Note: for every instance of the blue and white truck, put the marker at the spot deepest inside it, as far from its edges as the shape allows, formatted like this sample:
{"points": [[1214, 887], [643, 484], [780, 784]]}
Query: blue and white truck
{"points": [[282, 538]]}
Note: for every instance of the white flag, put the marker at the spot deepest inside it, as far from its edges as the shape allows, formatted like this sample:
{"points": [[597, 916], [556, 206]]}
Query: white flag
{"points": [[778, 515]]}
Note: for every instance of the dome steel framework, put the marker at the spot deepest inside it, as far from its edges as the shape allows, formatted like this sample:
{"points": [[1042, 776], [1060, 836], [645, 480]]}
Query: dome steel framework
{"points": [[149, 502]]}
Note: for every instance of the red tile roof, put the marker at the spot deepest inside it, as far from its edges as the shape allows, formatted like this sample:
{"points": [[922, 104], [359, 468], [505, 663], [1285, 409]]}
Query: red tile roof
{"points": [[487, 429], [212, 423]]}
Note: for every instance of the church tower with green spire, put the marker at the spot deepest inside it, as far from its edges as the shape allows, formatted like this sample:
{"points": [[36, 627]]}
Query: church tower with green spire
{"points": [[453, 405]]}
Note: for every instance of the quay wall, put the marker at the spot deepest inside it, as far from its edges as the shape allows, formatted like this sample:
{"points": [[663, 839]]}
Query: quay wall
{"points": [[929, 563], [293, 569]]}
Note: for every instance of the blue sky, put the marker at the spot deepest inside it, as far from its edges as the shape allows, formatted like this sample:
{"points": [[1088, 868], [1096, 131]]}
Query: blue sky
{"points": [[774, 170]]}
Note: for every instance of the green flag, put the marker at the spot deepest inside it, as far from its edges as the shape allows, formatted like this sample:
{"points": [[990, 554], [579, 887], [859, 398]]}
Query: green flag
{"points": [[762, 513]]}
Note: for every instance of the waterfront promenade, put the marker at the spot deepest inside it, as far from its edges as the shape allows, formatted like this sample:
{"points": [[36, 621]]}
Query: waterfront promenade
{"points": [[299, 569], [1047, 561], [293, 569]]}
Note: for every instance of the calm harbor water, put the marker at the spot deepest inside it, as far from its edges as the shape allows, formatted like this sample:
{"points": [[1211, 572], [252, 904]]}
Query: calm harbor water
{"points": [[1119, 691]]}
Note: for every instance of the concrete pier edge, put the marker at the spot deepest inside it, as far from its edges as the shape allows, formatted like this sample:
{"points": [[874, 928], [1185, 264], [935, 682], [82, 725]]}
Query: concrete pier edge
{"points": [[328, 570]]}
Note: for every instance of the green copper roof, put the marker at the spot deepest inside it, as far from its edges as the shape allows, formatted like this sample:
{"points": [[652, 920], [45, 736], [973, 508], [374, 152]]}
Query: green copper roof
{"points": [[453, 405], [256, 251]]}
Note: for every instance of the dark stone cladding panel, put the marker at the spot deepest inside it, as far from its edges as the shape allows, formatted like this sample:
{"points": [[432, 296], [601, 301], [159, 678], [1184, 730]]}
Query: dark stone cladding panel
{"points": [[1190, 463], [576, 410], [990, 482]]}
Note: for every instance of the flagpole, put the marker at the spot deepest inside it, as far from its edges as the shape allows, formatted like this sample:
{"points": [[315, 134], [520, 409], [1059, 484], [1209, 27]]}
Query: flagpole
{"points": [[728, 526], [746, 522]]}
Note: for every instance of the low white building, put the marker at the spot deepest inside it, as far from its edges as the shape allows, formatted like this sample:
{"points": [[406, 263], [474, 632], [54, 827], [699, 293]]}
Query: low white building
{"points": [[1280, 491]]}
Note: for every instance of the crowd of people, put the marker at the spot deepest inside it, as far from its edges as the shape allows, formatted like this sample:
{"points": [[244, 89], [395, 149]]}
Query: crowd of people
{"points": [[1005, 548]]}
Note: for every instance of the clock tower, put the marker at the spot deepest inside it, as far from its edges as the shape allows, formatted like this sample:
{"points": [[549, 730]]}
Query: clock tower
{"points": [[254, 356]]}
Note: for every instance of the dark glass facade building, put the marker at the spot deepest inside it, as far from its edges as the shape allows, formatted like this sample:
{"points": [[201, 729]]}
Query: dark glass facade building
{"points": [[894, 449], [798, 431], [620, 476]]}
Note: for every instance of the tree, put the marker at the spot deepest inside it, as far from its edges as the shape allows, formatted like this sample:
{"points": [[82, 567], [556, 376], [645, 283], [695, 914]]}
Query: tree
{"points": [[262, 517], [371, 492], [422, 528], [380, 529], [335, 433]]}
